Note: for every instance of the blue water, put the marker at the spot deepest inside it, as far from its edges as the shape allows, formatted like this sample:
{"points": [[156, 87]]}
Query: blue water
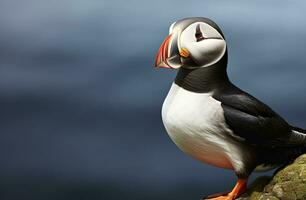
{"points": [[80, 100]]}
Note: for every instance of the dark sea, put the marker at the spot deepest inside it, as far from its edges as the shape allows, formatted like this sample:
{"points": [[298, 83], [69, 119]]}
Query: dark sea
{"points": [[80, 100]]}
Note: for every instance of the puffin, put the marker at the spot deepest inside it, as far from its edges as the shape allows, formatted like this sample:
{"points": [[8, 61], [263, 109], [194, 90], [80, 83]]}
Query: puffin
{"points": [[211, 119]]}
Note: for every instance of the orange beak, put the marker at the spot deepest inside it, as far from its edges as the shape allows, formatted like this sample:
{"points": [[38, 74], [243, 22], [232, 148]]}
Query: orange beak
{"points": [[162, 54]]}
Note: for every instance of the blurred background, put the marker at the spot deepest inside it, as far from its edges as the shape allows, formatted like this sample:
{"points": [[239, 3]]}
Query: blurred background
{"points": [[80, 100]]}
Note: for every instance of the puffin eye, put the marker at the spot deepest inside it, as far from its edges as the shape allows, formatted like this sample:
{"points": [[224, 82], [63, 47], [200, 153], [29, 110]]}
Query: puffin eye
{"points": [[198, 34]]}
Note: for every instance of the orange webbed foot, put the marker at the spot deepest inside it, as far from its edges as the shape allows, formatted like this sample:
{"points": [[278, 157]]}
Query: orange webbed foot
{"points": [[239, 188], [224, 197]]}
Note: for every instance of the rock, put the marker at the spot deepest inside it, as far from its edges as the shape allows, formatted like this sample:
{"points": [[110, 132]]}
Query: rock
{"points": [[288, 183]]}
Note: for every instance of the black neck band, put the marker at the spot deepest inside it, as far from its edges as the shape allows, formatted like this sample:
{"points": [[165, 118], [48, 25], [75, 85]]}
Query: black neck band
{"points": [[204, 79]]}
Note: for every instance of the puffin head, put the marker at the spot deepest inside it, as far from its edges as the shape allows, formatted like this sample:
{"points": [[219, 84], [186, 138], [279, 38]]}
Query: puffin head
{"points": [[192, 43]]}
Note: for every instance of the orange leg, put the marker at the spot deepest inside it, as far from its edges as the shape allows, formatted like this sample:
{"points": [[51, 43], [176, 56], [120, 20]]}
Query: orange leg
{"points": [[239, 188]]}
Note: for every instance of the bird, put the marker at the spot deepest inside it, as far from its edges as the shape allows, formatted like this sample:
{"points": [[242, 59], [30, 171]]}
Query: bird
{"points": [[211, 119]]}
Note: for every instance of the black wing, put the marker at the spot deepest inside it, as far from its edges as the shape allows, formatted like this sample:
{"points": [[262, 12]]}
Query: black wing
{"points": [[251, 120]]}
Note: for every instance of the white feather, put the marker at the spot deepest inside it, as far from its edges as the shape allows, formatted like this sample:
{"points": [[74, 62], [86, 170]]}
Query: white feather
{"points": [[195, 122]]}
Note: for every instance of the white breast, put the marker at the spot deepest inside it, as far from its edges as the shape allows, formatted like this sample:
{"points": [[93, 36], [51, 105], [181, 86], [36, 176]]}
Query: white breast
{"points": [[195, 122]]}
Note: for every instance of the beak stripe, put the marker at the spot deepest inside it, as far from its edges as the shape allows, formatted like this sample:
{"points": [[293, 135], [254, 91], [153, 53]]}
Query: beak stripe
{"points": [[162, 54]]}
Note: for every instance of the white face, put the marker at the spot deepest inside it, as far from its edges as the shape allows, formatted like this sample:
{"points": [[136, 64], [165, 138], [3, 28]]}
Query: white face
{"points": [[193, 45], [205, 50]]}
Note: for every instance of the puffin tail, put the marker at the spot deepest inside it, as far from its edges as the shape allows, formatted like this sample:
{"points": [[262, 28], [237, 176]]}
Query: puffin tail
{"points": [[298, 137], [298, 130], [294, 146], [299, 134]]}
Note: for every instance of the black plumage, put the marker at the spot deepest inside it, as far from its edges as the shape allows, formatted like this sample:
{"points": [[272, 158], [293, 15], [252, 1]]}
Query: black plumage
{"points": [[231, 127], [252, 122]]}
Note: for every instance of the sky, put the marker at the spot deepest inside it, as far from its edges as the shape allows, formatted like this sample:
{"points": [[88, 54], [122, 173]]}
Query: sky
{"points": [[80, 100]]}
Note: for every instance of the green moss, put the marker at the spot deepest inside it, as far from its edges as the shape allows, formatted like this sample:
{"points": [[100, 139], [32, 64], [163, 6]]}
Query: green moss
{"points": [[287, 184]]}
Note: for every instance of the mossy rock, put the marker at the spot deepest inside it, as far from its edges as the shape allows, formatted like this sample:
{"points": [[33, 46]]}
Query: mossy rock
{"points": [[288, 183]]}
